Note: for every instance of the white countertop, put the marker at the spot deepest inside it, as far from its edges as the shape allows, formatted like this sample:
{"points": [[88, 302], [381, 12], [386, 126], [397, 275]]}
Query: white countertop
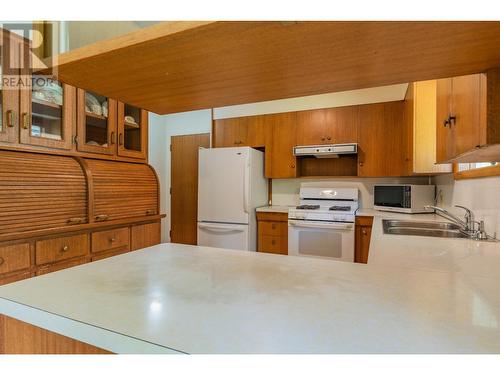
{"points": [[279, 209], [192, 299]]}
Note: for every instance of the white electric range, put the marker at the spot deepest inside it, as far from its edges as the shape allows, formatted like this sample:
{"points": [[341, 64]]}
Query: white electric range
{"points": [[323, 223]]}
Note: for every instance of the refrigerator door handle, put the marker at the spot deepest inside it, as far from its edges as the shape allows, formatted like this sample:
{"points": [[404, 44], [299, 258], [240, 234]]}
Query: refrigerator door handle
{"points": [[246, 182], [218, 228]]}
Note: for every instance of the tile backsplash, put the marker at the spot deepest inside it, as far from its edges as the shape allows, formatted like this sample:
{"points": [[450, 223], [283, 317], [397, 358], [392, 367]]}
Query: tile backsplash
{"points": [[286, 192], [481, 195]]}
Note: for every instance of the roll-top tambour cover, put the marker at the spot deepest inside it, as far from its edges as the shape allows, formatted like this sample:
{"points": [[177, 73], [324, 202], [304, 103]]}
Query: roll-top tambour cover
{"points": [[122, 190], [40, 192]]}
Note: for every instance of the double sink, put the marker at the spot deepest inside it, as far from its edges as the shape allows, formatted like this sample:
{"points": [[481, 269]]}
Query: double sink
{"points": [[422, 228]]}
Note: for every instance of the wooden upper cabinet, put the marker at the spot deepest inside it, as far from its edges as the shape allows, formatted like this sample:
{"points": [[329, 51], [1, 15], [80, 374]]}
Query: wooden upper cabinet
{"points": [[48, 113], [468, 118], [132, 131], [248, 131], [342, 124], [466, 97], [96, 123], [382, 138], [280, 161], [311, 127], [9, 96], [327, 126], [420, 118]]}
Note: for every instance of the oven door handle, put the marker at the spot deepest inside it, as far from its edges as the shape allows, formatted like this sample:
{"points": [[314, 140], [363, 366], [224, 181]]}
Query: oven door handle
{"points": [[303, 224]]}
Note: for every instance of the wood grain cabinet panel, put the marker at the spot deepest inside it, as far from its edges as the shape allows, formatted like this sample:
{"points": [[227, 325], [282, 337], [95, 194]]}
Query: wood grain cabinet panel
{"points": [[272, 232], [341, 124], [363, 232], [58, 266], [146, 235], [241, 131], [57, 249], [383, 140], [40, 191], [14, 258], [122, 190], [280, 161], [12, 278], [132, 136], [311, 127], [113, 239], [108, 254]]}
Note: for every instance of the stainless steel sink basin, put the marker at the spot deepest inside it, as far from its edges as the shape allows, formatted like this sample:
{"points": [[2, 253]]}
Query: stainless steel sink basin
{"points": [[423, 228]]}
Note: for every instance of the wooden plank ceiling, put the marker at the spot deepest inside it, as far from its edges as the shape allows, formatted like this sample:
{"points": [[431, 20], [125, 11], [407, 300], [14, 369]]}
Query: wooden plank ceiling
{"points": [[181, 66]]}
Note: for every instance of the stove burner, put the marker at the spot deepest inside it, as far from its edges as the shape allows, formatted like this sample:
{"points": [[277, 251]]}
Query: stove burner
{"points": [[340, 208], [308, 207]]}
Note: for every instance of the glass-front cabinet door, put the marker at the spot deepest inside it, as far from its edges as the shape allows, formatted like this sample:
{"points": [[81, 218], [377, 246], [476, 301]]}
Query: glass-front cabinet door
{"points": [[9, 94], [96, 123], [47, 112], [132, 131]]}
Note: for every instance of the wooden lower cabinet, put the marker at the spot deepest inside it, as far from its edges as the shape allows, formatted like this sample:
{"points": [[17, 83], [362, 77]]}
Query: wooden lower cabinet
{"points": [[42, 255], [17, 337], [58, 266], [362, 240], [145, 235], [272, 232]]}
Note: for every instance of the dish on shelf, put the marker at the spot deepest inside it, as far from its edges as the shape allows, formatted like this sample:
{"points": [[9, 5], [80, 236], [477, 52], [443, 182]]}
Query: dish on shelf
{"points": [[49, 91], [92, 104]]}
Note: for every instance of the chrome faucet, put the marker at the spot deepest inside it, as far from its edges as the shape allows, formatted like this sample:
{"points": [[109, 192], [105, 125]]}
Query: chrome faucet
{"points": [[468, 224]]}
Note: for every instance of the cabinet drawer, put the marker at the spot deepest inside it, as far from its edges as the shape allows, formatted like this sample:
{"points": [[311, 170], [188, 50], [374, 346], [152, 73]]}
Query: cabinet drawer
{"points": [[114, 239], [56, 249], [108, 254], [14, 257], [15, 277], [272, 228], [272, 244], [60, 266]]}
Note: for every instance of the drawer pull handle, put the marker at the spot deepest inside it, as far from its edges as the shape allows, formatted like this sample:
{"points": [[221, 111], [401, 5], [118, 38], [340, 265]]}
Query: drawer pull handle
{"points": [[101, 217], [10, 119], [151, 212], [2, 261], [76, 220], [112, 239], [65, 248]]}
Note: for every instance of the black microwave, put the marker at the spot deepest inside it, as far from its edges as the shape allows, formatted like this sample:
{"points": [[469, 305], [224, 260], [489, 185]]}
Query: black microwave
{"points": [[403, 198]]}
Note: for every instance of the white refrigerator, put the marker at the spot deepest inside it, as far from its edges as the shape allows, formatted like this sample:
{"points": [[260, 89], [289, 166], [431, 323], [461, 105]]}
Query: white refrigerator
{"points": [[231, 184]]}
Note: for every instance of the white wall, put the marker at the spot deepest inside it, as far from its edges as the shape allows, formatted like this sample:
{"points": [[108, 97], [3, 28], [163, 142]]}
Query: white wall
{"points": [[482, 195], [161, 129], [286, 192]]}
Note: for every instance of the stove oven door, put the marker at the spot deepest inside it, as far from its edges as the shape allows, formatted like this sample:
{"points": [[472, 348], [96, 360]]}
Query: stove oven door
{"points": [[321, 239]]}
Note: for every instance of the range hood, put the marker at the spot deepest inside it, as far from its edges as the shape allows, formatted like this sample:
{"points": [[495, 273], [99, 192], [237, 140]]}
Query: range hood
{"points": [[326, 151]]}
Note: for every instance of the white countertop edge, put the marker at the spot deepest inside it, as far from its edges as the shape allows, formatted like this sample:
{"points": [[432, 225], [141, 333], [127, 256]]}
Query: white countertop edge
{"points": [[89, 334]]}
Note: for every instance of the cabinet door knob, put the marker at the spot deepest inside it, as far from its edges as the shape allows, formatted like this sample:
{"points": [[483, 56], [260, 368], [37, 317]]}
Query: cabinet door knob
{"points": [[452, 120], [65, 248], [1, 261], [112, 138], [323, 138], [329, 138], [364, 232], [112, 239], [446, 122], [120, 139], [360, 163], [292, 165]]}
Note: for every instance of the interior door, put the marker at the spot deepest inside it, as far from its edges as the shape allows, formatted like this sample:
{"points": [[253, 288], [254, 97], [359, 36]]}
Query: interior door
{"points": [[184, 186], [223, 185]]}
